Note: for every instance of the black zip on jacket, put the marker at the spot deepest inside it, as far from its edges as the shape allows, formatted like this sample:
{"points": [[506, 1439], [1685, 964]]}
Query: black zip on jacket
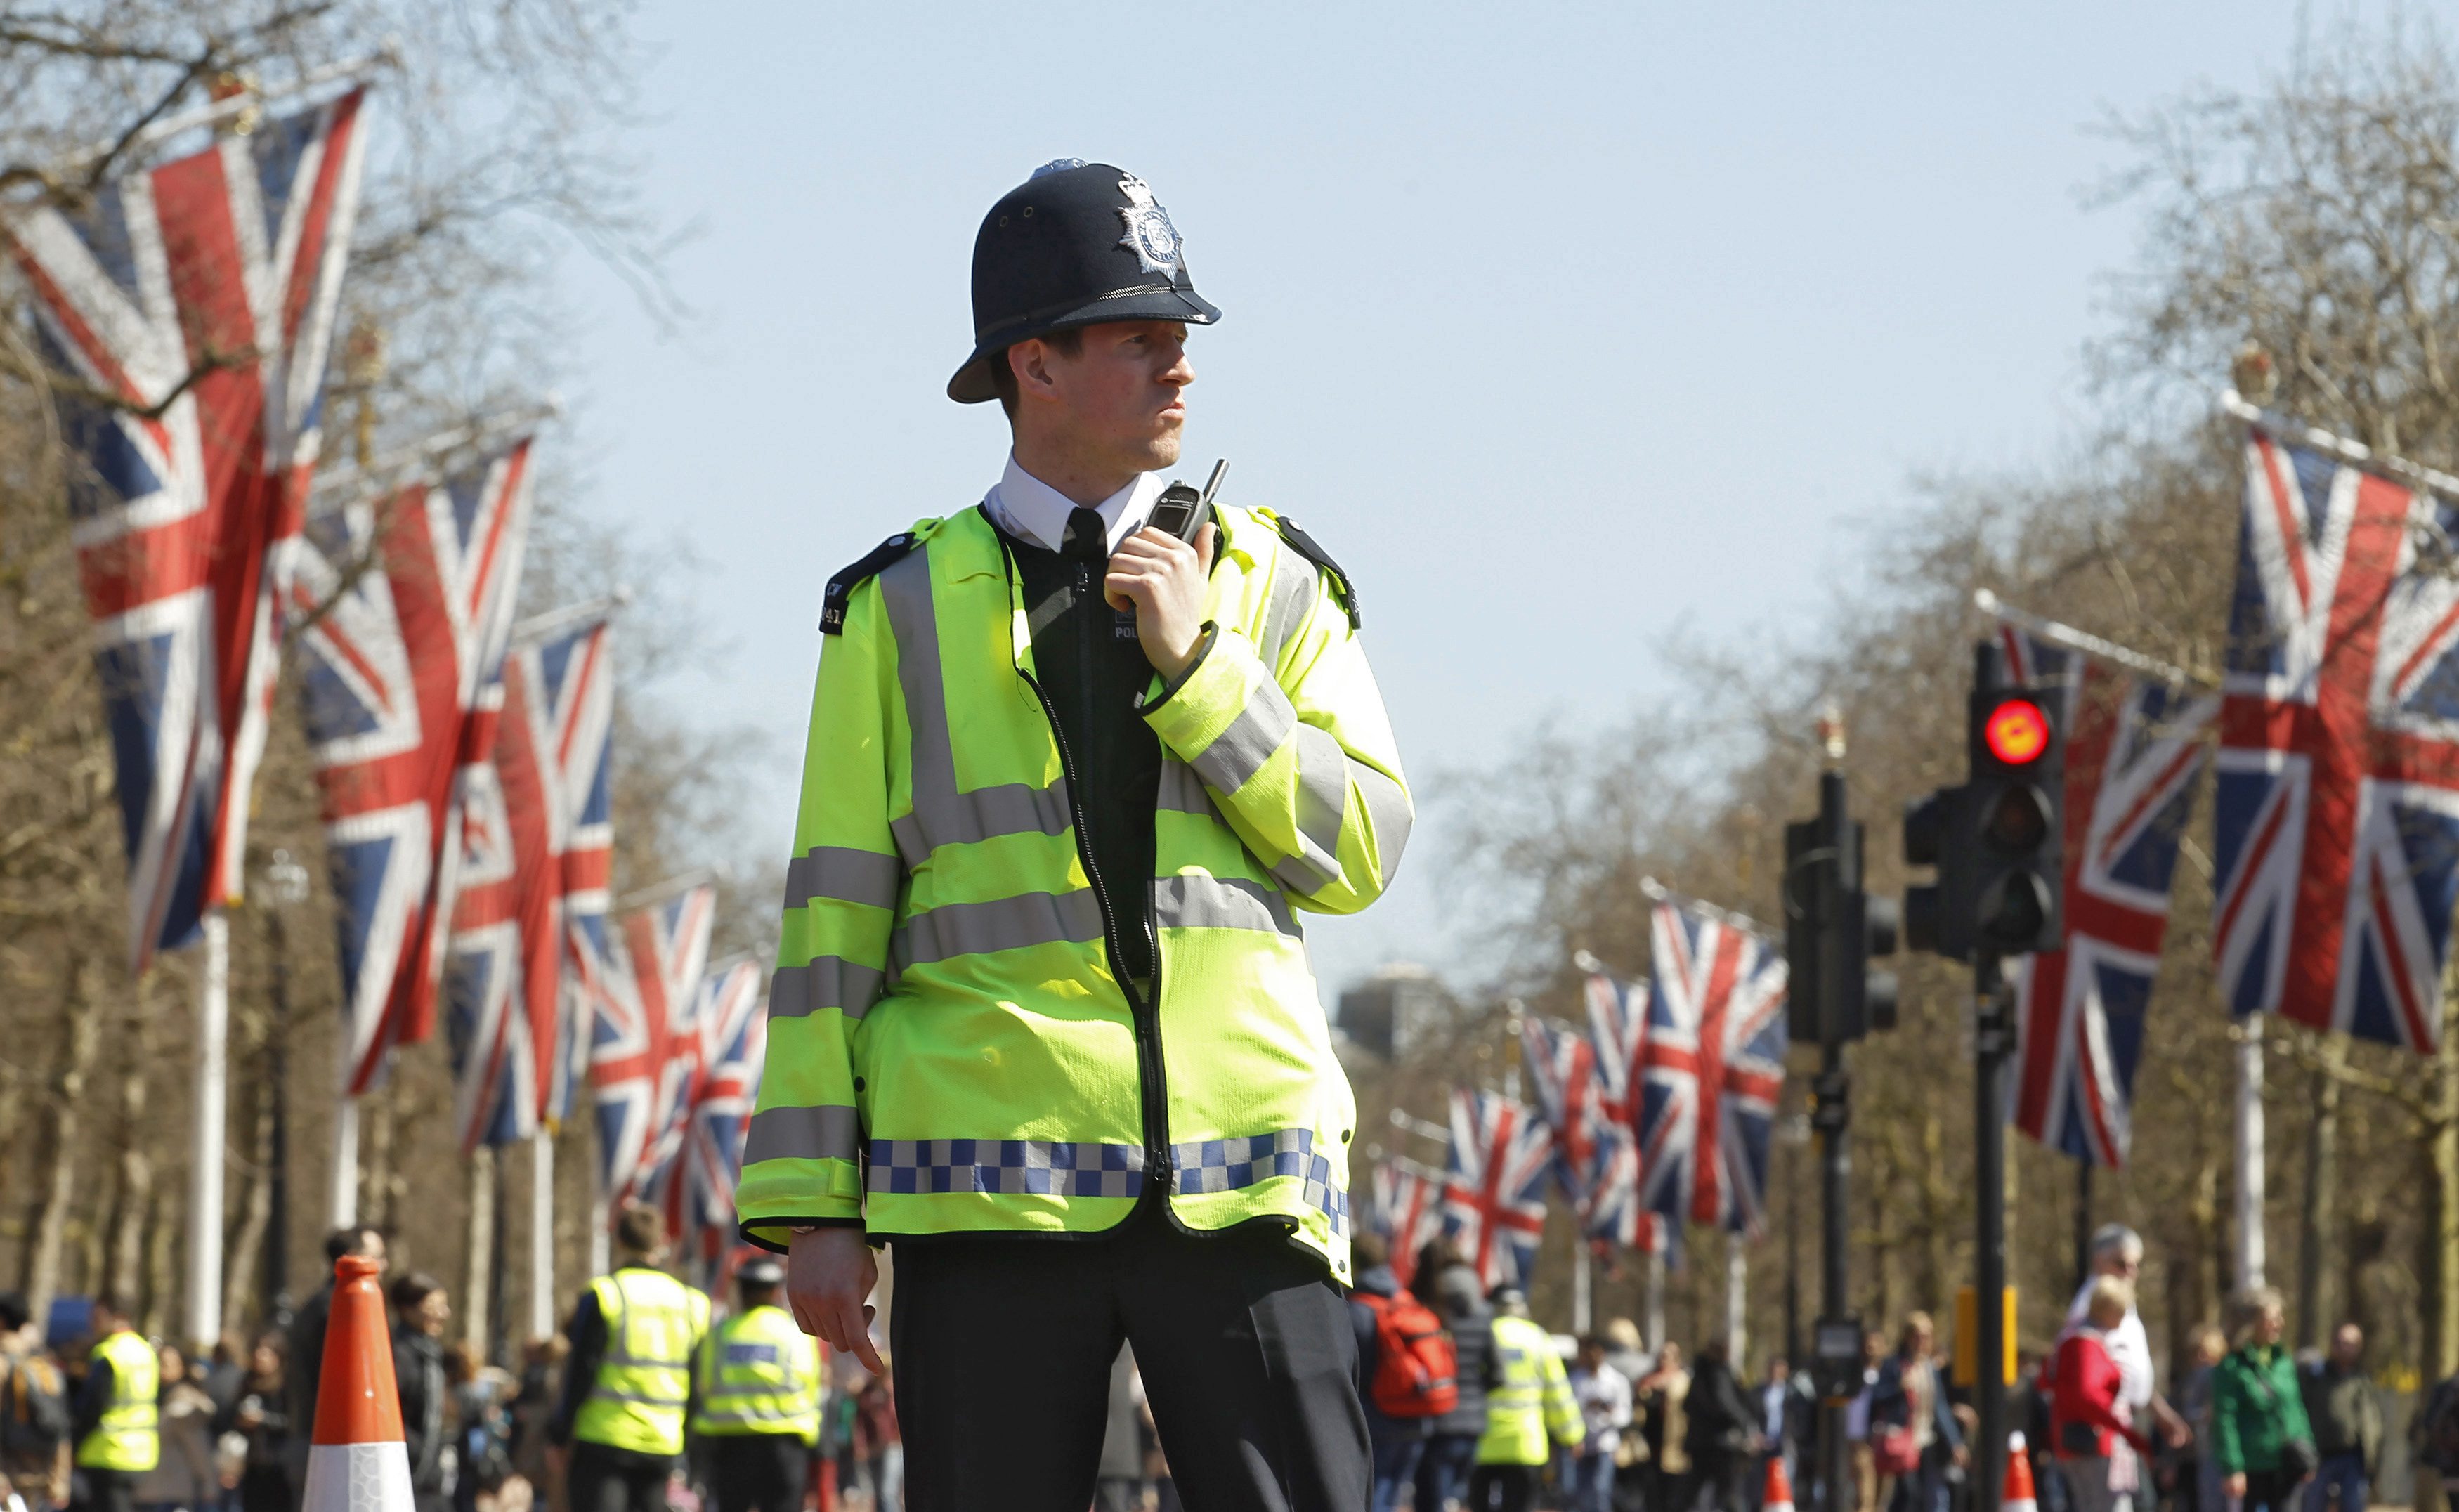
{"points": [[1092, 669]]}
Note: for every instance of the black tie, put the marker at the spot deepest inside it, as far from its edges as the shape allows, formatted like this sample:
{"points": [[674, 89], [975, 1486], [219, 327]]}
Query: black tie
{"points": [[1087, 538]]}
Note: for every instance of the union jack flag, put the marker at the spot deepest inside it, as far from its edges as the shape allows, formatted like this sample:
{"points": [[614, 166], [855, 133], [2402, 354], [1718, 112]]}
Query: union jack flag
{"points": [[2336, 803], [2135, 746], [536, 848], [1494, 1190], [1618, 1032], [192, 305], [1595, 1158], [402, 684], [1408, 1212], [1712, 1066], [645, 1040], [705, 1147]]}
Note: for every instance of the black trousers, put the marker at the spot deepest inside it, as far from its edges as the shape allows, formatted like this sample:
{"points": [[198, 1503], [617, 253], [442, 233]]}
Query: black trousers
{"points": [[1504, 1487], [103, 1491], [605, 1479], [758, 1472], [1003, 1346]]}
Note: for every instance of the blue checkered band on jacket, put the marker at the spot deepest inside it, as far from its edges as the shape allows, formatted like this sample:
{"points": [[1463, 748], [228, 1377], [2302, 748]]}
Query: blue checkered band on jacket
{"points": [[1006, 1168], [1219, 1165]]}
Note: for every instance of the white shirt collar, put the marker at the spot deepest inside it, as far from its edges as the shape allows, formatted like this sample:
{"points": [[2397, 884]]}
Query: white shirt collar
{"points": [[1027, 508]]}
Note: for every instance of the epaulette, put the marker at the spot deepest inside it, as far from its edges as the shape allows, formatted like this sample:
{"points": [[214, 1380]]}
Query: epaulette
{"points": [[1304, 546], [886, 554]]}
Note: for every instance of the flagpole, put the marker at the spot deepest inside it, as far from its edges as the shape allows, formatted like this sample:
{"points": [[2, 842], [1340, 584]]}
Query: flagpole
{"points": [[1655, 1299], [542, 1234], [1737, 1284], [345, 1210], [2075, 639], [2290, 429], [205, 1309], [2249, 1155], [346, 481], [482, 1249], [1580, 1284], [540, 625]]}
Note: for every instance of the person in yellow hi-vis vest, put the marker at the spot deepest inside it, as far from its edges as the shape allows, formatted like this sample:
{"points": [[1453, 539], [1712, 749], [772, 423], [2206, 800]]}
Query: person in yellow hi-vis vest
{"points": [[758, 1399], [1532, 1402], [117, 1417], [1083, 750], [635, 1336]]}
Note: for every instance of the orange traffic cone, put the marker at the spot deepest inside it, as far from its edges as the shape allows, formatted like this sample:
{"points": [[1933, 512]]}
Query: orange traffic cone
{"points": [[356, 1461], [2018, 1496], [1778, 1495]]}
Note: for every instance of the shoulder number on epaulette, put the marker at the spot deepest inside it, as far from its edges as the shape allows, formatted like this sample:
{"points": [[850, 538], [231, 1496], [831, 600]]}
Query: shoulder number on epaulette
{"points": [[886, 554], [1306, 546]]}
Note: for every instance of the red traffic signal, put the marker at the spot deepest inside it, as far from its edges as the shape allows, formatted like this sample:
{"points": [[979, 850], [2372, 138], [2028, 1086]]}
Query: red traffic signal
{"points": [[2016, 732]]}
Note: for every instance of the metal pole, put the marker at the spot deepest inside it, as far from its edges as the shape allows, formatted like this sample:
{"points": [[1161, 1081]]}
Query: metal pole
{"points": [[277, 1237], [344, 1205], [1833, 1117], [1655, 1299], [204, 1311], [2249, 1158], [1993, 1040], [482, 1249], [1737, 1289], [542, 1235], [1580, 1303], [2083, 1222]]}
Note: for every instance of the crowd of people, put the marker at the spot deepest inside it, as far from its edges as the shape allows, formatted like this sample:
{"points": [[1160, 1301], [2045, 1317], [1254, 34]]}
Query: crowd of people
{"points": [[646, 1402], [1621, 1427], [94, 1416]]}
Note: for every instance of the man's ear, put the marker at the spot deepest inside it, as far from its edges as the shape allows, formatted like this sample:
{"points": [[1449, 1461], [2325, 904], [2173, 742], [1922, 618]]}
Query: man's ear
{"points": [[1030, 361]]}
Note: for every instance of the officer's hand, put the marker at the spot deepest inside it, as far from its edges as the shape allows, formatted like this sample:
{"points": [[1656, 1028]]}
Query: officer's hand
{"points": [[830, 1273], [1161, 578]]}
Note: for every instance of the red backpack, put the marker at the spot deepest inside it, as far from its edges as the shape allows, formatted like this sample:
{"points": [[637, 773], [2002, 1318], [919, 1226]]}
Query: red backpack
{"points": [[1415, 1363]]}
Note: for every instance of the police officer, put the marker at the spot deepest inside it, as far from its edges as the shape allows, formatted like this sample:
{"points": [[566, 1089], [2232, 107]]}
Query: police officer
{"points": [[117, 1417], [759, 1396], [626, 1387], [1532, 1400], [1044, 1018]]}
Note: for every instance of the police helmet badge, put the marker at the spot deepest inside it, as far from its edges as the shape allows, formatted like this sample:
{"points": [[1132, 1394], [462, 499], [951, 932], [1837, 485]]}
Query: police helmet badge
{"points": [[1151, 235]]}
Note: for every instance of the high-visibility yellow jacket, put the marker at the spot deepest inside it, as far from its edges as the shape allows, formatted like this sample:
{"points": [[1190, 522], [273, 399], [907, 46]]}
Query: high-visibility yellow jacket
{"points": [[759, 1374], [129, 1437], [948, 1047], [1534, 1400], [654, 1325]]}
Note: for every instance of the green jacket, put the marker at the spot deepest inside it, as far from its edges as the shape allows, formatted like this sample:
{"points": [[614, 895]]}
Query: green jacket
{"points": [[950, 1049], [2256, 1408]]}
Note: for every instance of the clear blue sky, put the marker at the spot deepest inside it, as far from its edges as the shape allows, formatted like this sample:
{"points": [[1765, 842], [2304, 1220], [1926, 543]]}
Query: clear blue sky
{"points": [[1568, 329]]}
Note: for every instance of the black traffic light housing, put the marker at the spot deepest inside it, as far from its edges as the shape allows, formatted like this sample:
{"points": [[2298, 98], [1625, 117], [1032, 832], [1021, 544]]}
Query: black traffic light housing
{"points": [[1832, 927], [1999, 840]]}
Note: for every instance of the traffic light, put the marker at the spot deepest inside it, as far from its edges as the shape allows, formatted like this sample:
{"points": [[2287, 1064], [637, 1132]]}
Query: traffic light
{"points": [[1832, 927], [1998, 841], [2017, 813]]}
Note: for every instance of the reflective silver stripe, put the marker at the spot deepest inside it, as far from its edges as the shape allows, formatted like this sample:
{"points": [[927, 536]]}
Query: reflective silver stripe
{"points": [[1009, 923], [948, 817], [1182, 791], [1194, 901], [828, 1132], [1240, 751], [941, 814], [824, 981], [1323, 796], [1303, 876], [608, 1395], [1295, 585], [1387, 809], [844, 875]]}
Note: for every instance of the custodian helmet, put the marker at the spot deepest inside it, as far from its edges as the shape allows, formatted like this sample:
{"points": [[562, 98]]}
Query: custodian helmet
{"points": [[1078, 243]]}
